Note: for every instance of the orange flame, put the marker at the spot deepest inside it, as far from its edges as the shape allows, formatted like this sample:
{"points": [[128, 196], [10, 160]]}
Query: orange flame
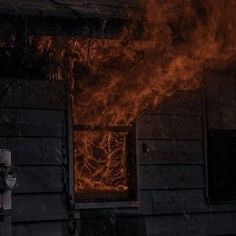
{"points": [[105, 162], [115, 80]]}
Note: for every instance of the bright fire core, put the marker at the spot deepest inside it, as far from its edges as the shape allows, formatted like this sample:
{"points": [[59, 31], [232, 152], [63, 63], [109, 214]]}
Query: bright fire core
{"points": [[100, 161]]}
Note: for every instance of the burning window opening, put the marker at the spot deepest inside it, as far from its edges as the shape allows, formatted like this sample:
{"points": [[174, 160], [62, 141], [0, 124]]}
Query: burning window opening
{"points": [[105, 163]]}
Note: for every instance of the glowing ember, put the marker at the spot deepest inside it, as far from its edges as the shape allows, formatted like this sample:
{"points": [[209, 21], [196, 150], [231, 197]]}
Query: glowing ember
{"points": [[114, 81]]}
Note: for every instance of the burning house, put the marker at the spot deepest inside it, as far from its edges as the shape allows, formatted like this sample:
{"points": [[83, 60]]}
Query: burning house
{"points": [[117, 118]]}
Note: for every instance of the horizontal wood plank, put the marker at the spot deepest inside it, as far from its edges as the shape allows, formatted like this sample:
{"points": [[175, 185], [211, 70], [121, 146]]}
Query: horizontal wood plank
{"points": [[43, 207], [182, 102], [39, 179], [43, 94], [196, 225], [35, 151], [186, 201], [21, 122], [144, 208], [170, 152], [155, 126], [55, 228], [171, 177]]}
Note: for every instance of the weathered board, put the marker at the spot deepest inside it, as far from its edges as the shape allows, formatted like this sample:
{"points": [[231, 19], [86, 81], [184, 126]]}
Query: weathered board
{"points": [[170, 152], [182, 103], [186, 201], [36, 151], [145, 205], [31, 123], [196, 224], [35, 94], [155, 126], [54, 228], [41, 207], [40, 179], [171, 177]]}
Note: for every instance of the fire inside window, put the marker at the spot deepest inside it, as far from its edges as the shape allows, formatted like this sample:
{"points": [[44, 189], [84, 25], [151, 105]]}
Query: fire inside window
{"points": [[105, 168]]}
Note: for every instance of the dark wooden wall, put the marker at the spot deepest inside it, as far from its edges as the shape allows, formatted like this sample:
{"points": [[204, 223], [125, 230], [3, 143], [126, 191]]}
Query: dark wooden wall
{"points": [[171, 173], [32, 126]]}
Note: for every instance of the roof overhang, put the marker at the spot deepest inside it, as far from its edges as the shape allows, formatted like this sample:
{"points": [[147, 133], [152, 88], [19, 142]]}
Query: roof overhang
{"points": [[66, 17]]}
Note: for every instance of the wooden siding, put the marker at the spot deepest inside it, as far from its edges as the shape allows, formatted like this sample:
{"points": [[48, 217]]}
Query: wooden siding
{"points": [[198, 224], [171, 170], [33, 127], [57, 228]]}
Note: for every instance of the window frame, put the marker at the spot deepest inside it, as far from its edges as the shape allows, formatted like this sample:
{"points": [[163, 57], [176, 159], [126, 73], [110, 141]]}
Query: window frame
{"points": [[96, 204]]}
